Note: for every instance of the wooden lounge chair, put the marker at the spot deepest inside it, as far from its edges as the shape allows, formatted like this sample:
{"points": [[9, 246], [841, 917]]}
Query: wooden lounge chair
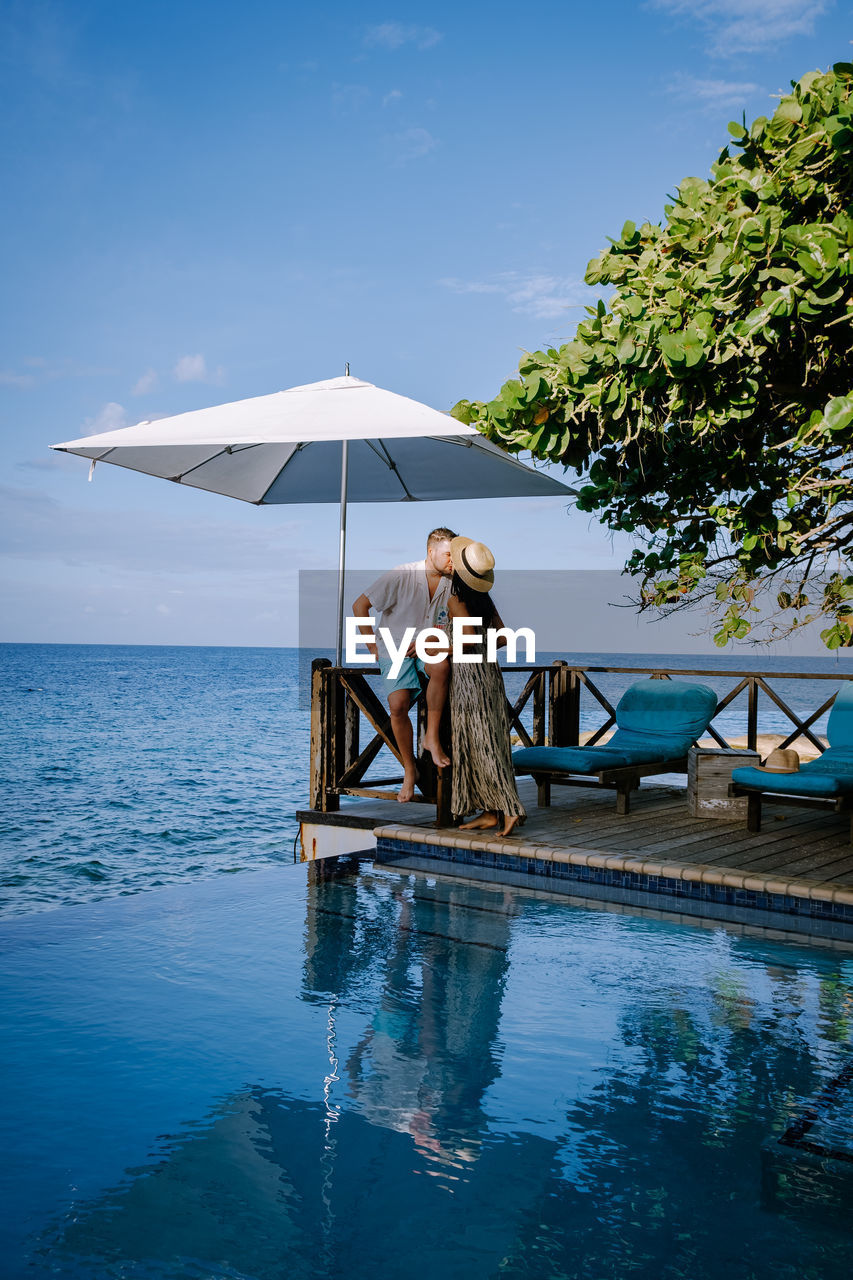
{"points": [[824, 783], [657, 722]]}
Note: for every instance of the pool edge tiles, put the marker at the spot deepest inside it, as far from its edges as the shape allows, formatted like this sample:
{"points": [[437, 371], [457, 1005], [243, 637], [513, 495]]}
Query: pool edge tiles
{"points": [[686, 886]]}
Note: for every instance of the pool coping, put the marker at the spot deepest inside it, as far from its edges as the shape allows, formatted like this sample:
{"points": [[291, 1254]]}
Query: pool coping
{"points": [[669, 878]]}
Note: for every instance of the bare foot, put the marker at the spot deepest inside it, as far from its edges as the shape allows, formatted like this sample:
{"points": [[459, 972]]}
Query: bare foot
{"points": [[407, 791], [440, 757], [510, 824], [485, 822]]}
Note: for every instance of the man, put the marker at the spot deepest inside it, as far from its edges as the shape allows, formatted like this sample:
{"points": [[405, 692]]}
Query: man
{"points": [[413, 595]]}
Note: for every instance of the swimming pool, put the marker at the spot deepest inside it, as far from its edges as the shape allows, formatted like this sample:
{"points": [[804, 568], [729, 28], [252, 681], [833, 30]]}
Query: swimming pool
{"points": [[374, 1073]]}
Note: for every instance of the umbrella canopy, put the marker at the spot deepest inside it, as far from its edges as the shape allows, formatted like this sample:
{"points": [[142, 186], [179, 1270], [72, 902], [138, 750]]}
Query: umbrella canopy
{"points": [[334, 441], [286, 448]]}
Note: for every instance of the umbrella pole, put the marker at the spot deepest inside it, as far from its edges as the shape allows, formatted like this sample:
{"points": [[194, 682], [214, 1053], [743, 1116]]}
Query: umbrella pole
{"points": [[342, 553]]}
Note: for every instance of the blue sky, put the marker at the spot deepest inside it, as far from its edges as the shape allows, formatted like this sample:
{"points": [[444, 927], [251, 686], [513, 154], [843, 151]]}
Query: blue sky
{"points": [[206, 202]]}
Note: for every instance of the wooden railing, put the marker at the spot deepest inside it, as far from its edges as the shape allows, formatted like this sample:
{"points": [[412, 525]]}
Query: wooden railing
{"points": [[342, 700]]}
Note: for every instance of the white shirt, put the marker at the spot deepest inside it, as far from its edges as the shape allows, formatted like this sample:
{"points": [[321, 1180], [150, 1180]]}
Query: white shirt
{"points": [[401, 596]]}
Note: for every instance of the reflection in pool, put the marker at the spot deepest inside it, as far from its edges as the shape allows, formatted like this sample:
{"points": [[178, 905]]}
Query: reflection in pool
{"points": [[380, 1074]]}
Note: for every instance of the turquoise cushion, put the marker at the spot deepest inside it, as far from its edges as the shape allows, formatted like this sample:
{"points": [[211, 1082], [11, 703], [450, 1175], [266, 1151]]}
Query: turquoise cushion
{"points": [[656, 719], [568, 759], [834, 760], [839, 730], [671, 712], [645, 747], [830, 775]]}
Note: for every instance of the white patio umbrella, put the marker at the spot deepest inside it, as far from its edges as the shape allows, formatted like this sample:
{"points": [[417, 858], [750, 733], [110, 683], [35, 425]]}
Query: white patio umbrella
{"points": [[339, 440]]}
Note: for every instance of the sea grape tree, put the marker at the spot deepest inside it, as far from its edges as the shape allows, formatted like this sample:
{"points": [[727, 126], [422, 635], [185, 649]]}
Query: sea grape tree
{"points": [[709, 403]]}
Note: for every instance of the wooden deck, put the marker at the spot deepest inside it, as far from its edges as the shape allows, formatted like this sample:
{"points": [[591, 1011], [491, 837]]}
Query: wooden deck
{"points": [[799, 853]]}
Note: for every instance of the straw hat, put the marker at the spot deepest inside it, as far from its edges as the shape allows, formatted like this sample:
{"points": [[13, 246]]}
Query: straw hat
{"points": [[474, 563], [780, 761]]}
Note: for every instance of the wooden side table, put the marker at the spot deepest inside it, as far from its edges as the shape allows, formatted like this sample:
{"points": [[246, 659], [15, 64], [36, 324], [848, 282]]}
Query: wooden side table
{"points": [[709, 773]]}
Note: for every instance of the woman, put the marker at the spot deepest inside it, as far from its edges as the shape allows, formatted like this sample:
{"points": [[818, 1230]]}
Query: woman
{"points": [[483, 776]]}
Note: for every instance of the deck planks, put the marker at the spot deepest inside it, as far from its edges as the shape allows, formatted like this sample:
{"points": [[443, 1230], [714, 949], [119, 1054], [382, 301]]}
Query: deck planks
{"points": [[795, 844]]}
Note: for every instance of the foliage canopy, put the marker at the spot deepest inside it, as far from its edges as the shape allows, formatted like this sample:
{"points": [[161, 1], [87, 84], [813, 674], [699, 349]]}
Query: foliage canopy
{"points": [[710, 404]]}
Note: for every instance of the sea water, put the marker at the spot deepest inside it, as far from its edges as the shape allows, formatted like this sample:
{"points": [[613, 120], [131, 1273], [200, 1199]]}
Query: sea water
{"points": [[125, 768], [130, 767]]}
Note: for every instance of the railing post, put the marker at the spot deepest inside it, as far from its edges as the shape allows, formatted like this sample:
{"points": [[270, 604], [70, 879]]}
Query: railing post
{"points": [[752, 715], [443, 792], [444, 777], [319, 740], [540, 710], [427, 773], [564, 711], [337, 739], [351, 726]]}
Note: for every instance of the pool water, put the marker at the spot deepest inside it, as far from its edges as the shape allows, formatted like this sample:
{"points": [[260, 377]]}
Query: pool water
{"points": [[372, 1073]]}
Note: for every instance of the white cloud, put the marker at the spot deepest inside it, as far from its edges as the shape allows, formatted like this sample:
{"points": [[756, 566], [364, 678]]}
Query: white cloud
{"points": [[538, 294], [43, 372], [146, 383], [411, 144], [36, 526], [394, 96], [112, 417], [194, 369], [393, 35], [10, 379], [51, 462], [712, 94], [349, 98], [748, 26]]}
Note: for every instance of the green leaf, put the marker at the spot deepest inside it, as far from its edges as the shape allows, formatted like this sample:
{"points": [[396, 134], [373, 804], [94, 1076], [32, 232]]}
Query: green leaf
{"points": [[837, 636], [672, 346], [513, 394], [694, 346], [753, 235], [463, 411], [789, 109], [838, 414]]}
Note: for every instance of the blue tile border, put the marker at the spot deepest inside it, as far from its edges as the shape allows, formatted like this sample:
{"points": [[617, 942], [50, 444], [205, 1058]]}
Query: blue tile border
{"points": [[666, 886]]}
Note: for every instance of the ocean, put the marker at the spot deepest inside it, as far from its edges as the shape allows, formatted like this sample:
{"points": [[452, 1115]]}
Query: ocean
{"points": [[127, 767], [123, 768]]}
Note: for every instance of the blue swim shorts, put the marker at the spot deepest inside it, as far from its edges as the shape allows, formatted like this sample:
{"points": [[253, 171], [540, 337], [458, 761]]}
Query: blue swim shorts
{"points": [[407, 679]]}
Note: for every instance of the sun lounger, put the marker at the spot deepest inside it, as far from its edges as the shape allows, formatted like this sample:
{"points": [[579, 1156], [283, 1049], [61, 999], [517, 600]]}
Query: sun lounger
{"points": [[657, 722], [824, 783]]}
